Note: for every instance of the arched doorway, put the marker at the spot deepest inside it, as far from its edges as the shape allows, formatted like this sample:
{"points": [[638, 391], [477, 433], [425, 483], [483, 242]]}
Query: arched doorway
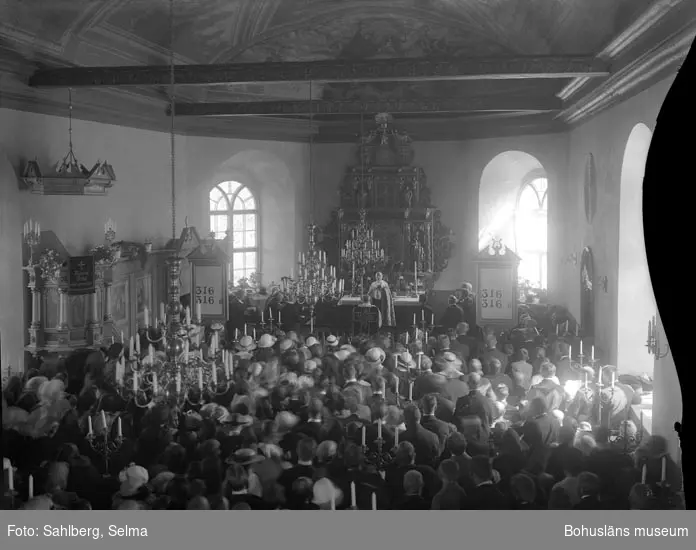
{"points": [[513, 206], [636, 302]]}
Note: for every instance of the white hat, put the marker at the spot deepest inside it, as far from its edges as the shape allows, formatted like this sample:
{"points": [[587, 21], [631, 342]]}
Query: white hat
{"points": [[132, 478], [267, 341], [331, 340], [325, 491], [311, 341]]}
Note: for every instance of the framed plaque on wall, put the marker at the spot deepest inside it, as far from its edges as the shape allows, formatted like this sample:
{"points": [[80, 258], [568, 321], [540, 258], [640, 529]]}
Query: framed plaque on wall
{"points": [[209, 283], [496, 288]]}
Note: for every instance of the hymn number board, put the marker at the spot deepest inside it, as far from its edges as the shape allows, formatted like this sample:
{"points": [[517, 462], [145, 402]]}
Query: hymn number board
{"points": [[496, 291], [209, 284]]}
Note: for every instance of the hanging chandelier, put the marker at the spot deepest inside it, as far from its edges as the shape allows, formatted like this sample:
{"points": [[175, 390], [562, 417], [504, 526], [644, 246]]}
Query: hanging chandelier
{"points": [[69, 176]]}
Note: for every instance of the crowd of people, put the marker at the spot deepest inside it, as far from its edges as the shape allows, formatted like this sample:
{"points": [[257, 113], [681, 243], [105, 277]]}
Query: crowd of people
{"points": [[451, 423]]}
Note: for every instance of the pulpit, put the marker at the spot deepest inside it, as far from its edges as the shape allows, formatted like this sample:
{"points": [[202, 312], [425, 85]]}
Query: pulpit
{"points": [[496, 286]]}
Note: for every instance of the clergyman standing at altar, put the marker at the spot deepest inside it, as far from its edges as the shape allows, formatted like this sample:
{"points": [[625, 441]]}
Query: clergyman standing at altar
{"points": [[381, 297]]}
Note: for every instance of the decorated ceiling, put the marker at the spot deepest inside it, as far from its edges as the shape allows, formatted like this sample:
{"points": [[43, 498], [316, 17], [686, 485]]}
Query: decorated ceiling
{"points": [[41, 34]]}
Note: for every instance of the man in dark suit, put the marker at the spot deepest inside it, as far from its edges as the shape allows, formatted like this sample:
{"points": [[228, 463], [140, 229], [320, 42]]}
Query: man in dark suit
{"points": [[312, 426], [485, 495], [425, 442], [457, 446], [453, 315], [428, 381], [547, 424], [441, 429], [451, 496], [404, 462], [379, 415], [496, 375], [589, 487], [456, 388], [306, 449], [553, 395], [413, 493], [522, 365], [492, 352], [474, 412], [464, 345]]}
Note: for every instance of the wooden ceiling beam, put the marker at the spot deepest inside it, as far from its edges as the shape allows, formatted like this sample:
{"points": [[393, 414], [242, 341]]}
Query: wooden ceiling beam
{"points": [[374, 70], [393, 106]]}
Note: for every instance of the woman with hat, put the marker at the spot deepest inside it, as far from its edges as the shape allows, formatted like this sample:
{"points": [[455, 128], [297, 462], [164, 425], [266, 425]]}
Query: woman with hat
{"points": [[245, 347]]}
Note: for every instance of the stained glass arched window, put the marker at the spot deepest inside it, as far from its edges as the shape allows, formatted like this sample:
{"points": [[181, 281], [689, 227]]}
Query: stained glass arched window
{"points": [[531, 223], [234, 209]]}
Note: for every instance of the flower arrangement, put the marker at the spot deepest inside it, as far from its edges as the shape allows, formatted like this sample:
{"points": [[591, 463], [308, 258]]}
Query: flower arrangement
{"points": [[49, 263], [531, 292], [103, 254]]}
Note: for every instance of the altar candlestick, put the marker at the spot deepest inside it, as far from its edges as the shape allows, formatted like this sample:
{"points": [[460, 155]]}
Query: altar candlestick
{"points": [[353, 500], [200, 378], [178, 381], [135, 382], [379, 429], [644, 474], [363, 436], [31, 487], [119, 428], [89, 425], [155, 386], [103, 417], [374, 501], [663, 476]]}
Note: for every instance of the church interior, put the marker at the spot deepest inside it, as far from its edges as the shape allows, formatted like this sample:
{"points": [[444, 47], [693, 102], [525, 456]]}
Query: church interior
{"points": [[306, 190]]}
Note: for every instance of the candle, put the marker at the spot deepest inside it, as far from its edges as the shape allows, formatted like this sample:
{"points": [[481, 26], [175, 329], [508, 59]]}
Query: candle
{"points": [[31, 487], [570, 352], [556, 330], [422, 315], [580, 347], [586, 380], [188, 315], [213, 372], [245, 329], [414, 319], [89, 425], [137, 346], [279, 321], [236, 334], [649, 331], [396, 436], [577, 330], [162, 314], [254, 333], [333, 498], [613, 379], [353, 499], [178, 382], [155, 387], [363, 436], [186, 351], [151, 352], [410, 391], [374, 501], [432, 319], [407, 338], [262, 316], [131, 347], [200, 378], [592, 351], [135, 382], [663, 476], [122, 339], [379, 429], [103, 417], [146, 315], [396, 384], [119, 428], [10, 478], [566, 327], [198, 312], [155, 322], [644, 474]]}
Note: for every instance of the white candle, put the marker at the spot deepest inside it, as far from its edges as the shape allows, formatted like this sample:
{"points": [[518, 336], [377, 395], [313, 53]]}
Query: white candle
{"points": [[422, 315], [566, 327], [31, 487], [580, 347], [10, 478], [396, 436], [374, 501], [410, 391], [151, 352], [577, 330], [188, 315], [200, 378], [432, 319], [156, 322], [279, 321], [186, 351], [155, 387], [162, 314], [245, 329], [586, 380], [137, 346], [556, 330], [613, 379], [419, 361], [353, 499], [198, 312], [396, 384], [254, 332], [414, 319], [103, 417], [122, 339], [663, 476], [570, 352], [146, 314], [379, 429], [644, 474], [119, 428], [214, 374], [131, 347], [135, 382], [178, 382], [262, 316], [89, 425], [363, 436], [407, 338], [592, 351]]}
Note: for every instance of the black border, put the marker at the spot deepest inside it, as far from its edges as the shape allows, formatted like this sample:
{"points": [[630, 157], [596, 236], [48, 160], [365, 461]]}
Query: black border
{"points": [[668, 218]]}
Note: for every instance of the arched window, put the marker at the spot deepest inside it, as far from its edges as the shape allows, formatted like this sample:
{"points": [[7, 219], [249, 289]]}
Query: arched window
{"points": [[530, 231], [233, 209]]}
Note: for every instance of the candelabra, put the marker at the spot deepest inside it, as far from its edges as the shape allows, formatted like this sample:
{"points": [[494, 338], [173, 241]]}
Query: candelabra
{"points": [[362, 252], [654, 344], [380, 458], [104, 445]]}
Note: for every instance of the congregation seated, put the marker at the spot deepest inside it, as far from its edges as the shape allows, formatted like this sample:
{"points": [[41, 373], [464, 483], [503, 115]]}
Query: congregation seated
{"points": [[304, 426]]}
